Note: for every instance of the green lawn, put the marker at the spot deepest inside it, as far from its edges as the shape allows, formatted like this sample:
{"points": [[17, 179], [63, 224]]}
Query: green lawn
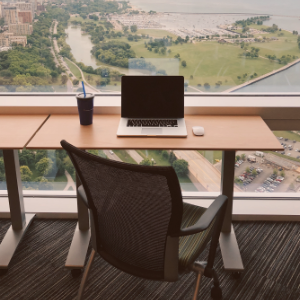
{"points": [[287, 135], [210, 62], [157, 33], [61, 178], [73, 69], [158, 159], [211, 156], [185, 182], [124, 156]]}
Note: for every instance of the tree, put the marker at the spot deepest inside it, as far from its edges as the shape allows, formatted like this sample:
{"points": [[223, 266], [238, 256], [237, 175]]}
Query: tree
{"points": [[25, 173], [254, 173], [64, 79], [133, 28], [237, 157], [275, 172], [43, 183], [172, 157], [75, 82], [248, 171], [183, 63], [27, 158], [125, 29], [40, 154], [207, 85], [44, 166], [243, 156], [282, 174], [146, 162], [165, 154], [181, 167]]}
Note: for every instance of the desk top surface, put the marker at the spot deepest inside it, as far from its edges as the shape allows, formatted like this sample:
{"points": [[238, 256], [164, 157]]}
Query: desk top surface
{"points": [[221, 133], [17, 130]]}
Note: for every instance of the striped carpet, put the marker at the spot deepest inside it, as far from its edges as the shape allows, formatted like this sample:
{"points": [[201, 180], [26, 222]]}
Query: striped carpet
{"points": [[270, 251]]}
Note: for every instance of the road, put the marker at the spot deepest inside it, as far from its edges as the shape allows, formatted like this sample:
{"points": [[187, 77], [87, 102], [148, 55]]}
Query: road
{"points": [[135, 156], [202, 170], [59, 61], [111, 156]]}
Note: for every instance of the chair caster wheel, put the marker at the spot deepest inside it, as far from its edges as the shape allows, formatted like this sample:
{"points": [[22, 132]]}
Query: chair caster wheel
{"points": [[216, 293], [76, 273], [236, 275], [3, 272]]}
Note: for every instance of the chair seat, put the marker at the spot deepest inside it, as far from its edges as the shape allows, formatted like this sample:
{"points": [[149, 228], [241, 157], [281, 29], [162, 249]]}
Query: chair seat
{"points": [[191, 246]]}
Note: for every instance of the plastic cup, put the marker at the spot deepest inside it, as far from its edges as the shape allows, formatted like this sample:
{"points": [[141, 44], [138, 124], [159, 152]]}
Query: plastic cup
{"points": [[85, 108]]}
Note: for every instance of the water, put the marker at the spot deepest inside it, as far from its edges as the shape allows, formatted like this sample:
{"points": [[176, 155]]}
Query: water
{"points": [[288, 7], [81, 46]]}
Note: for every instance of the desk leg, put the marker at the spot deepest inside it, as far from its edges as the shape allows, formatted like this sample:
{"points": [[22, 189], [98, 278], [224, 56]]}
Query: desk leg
{"points": [[230, 250], [19, 220], [81, 237]]}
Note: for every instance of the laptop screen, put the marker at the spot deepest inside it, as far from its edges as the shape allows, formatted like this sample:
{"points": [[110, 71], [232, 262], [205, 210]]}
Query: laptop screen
{"points": [[152, 97]]}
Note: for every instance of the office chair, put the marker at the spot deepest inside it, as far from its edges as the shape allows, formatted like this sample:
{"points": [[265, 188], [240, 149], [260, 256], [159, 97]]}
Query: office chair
{"points": [[139, 223]]}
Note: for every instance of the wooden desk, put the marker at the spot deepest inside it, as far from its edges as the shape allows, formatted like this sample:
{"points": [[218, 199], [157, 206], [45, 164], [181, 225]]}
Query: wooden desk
{"points": [[227, 133], [16, 131]]}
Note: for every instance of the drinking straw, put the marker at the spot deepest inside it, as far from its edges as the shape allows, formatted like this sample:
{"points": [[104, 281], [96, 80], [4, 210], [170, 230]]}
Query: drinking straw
{"points": [[83, 89]]}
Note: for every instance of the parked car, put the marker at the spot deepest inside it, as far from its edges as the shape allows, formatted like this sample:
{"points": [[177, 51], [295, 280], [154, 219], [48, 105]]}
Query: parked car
{"points": [[111, 152], [286, 139], [294, 141], [281, 138], [289, 154]]}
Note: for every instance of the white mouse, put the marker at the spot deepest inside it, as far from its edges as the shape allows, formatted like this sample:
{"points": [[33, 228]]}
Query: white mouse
{"points": [[198, 130]]}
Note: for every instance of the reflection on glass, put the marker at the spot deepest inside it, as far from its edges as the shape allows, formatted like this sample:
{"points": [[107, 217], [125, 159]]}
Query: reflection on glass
{"points": [[270, 172], [227, 46]]}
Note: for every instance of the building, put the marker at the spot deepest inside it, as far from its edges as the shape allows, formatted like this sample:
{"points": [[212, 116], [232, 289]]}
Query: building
{"points": [[21, 40], [41, 8], [8, 39], [20, 29], [25, 16], [10, 14]]}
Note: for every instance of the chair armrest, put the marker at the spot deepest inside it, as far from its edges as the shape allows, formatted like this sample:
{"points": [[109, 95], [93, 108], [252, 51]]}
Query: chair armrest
{"points": [[207, 218], [82, 196]]}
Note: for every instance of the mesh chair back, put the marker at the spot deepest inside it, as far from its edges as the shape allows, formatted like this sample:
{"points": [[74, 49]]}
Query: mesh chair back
{"points": [[134, 208]]}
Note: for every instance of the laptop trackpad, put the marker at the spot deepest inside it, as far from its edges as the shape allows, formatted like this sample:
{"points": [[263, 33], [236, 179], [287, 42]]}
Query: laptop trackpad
{"points": [[152, 131]]}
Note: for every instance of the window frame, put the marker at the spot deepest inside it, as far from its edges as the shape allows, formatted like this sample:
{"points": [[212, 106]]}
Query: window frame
{"points": [[285, 115]]}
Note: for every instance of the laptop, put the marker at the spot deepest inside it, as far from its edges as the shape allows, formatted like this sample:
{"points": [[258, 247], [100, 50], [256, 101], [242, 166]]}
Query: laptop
{"points": [[152, 106]]}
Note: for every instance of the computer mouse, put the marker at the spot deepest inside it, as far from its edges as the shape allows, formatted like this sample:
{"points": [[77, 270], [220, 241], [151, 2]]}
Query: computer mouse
{"points": [[198, 130]]}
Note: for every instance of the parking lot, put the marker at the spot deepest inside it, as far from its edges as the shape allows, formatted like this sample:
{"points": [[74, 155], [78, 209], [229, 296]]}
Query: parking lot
{"points": [[293, 151], [258, 181]]}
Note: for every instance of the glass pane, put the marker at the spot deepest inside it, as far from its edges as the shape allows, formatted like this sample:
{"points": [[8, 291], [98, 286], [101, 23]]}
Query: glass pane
{"points": [[270, 172], [196, 170], [46, 170], [219, 46], [2, 173]]}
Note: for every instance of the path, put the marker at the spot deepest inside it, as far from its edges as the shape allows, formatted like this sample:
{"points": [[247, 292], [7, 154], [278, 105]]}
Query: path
{"points": [[70, 182], [262, 77], [89, 88], [135, 156], [59, 60]]}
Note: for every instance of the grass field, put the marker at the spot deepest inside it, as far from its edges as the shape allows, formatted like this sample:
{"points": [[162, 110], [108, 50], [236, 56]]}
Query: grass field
{"points": [[288, 135], [124, 156], [210, 62], [73, 69], [185, 181], [156, 33]]}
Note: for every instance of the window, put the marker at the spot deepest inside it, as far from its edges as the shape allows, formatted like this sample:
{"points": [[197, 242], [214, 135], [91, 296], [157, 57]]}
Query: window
{"points": [[219, 47]]}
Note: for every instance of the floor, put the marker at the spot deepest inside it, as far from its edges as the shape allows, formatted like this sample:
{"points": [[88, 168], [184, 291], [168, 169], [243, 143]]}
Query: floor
{"points": [[270, 252]]}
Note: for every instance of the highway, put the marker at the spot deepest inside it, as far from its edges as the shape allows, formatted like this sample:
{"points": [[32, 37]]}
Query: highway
{"points": [[202, 170]]}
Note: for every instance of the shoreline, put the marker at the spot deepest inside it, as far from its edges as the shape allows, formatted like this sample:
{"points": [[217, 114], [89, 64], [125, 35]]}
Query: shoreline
{"points": [[236, 88]]}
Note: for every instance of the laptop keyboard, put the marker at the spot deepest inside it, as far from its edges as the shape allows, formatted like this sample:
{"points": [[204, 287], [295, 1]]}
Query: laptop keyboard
{"points": [[151, 123]]}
